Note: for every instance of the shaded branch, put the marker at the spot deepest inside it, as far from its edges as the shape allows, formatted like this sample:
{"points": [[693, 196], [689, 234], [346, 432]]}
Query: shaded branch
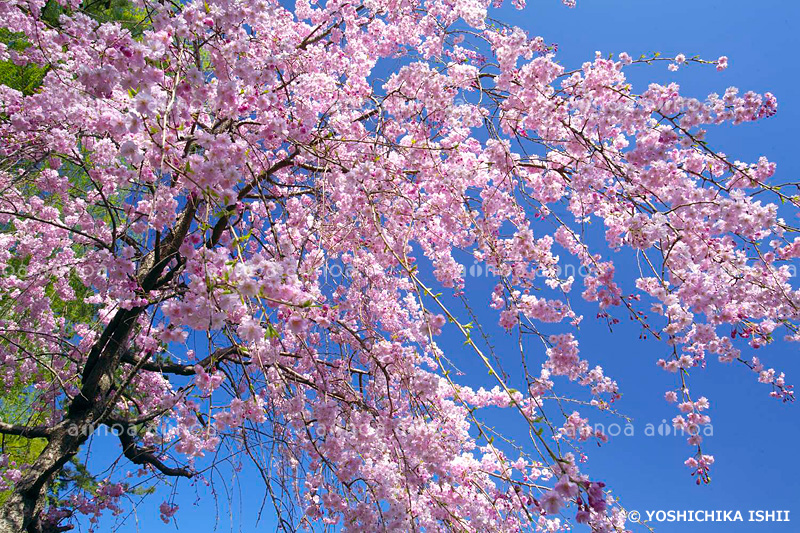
{"points": [[30, 432]]}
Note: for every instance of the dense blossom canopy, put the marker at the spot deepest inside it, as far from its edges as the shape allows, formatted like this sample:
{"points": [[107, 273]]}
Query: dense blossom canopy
{"points": [[195, 177]]}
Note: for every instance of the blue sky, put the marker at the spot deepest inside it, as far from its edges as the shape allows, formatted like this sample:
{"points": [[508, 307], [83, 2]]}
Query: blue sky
{"points": [[755, 437]]}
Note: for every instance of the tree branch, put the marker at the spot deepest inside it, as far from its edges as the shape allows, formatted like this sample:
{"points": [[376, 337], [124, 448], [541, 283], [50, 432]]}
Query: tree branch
{"points": [[180, 369], [143, 456], [30, 432]]}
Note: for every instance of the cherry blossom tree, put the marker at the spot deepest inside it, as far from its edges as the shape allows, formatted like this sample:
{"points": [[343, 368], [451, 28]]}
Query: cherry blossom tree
{"points": [[196, 174]]}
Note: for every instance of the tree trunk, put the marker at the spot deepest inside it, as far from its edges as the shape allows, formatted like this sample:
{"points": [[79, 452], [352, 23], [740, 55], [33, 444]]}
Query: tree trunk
{"points": [[21, 511]]}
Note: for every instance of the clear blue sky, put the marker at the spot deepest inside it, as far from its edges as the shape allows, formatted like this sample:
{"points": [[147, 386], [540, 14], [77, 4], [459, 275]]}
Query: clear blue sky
{"points": [[755, 437]]}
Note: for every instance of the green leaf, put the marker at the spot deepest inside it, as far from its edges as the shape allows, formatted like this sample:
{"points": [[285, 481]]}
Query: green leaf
{"points": [[271, 333]]}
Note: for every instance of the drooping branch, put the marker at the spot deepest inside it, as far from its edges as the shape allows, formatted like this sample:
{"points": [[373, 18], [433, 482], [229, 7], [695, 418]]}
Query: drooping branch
{"points": [[144, 456]]}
